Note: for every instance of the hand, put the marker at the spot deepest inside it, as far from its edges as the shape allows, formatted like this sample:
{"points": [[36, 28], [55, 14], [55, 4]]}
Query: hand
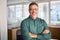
{"points": [[32, 35], [45, 32]]}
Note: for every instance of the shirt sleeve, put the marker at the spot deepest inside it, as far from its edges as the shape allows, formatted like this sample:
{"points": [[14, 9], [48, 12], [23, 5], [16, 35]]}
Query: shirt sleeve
{"points": [[25, 31], [44, 36], [45, 25]]}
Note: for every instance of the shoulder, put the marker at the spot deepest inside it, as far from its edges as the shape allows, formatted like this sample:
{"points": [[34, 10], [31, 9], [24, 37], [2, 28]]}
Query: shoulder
{"points": [[25, 20], [41, 20]]}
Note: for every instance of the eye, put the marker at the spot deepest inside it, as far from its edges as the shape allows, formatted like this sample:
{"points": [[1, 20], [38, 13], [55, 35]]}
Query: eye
{"points": [[34, 9]]}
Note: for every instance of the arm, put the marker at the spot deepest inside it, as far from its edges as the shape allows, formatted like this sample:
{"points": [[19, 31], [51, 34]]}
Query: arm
{"points": [[46, 33], [25, 31], [33, 35]]}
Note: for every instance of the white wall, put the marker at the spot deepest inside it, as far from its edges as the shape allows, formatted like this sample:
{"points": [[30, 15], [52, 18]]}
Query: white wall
{"points": [[3, 19]]}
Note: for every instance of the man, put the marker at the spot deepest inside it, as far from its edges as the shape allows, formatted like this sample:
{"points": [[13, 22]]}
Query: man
{"points": [[34, 28]]}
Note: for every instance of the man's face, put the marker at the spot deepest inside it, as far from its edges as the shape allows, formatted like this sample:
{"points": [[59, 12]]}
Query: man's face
{"points": [[33, 11]]}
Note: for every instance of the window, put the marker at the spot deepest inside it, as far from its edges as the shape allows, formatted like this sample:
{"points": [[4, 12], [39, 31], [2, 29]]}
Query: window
{"points": [[11, 11], [44, 11], [14, 15], [55, 13], [25, 11], [19, 11]]}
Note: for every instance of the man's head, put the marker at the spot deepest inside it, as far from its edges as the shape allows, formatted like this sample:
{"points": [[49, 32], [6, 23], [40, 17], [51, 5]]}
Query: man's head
{"points": [[33, 10]]}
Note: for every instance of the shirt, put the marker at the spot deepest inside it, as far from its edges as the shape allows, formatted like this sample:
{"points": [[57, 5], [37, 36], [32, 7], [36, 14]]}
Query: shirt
{"points": [[36, 26]]}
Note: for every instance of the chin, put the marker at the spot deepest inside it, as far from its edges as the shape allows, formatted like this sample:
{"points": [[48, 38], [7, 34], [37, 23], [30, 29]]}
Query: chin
{"points": [[34, 15]]}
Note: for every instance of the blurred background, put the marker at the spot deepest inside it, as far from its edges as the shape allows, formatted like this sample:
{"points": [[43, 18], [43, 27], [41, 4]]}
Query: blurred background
{"points": [[12, 12], [49, 10]]}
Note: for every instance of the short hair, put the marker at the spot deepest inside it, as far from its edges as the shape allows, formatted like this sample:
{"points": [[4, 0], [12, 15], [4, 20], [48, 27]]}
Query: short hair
{"points": [[33, 3]]}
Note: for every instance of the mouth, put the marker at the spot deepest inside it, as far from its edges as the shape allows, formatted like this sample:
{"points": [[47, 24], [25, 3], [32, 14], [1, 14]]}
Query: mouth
{"points": [[33, 13]]}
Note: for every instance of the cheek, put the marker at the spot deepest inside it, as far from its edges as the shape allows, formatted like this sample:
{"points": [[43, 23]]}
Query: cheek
{"points": [[36, 11], [31, 12]]}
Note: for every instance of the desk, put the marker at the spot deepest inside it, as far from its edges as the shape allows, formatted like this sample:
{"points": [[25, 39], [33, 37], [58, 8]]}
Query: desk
{"points": [[12, 33]]}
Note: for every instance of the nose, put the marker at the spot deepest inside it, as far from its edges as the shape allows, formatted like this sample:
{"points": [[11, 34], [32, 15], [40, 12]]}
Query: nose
{"points": [[34, 10]]}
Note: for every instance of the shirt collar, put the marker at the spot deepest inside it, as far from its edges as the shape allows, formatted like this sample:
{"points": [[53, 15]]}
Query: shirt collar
{"points": [[32, 18]]}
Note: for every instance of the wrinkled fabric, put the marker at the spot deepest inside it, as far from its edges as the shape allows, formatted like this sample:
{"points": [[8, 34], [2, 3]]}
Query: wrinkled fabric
{"points": [[36, 26]]}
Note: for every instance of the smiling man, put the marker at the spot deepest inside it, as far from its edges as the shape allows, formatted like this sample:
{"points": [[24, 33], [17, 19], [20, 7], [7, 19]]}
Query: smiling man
{"points": [[34, 28]]}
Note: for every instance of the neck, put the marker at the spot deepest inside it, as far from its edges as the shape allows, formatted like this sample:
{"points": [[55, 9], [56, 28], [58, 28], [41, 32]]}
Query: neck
{"points": [[34, 17]]}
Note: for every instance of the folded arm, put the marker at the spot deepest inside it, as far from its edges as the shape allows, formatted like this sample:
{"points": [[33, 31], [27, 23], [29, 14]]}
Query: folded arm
{"points": [[35, 35], [45, 34]]}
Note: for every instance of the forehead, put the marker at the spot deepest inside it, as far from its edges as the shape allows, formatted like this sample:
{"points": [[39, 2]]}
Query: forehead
{"points": [[33, 6]]}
